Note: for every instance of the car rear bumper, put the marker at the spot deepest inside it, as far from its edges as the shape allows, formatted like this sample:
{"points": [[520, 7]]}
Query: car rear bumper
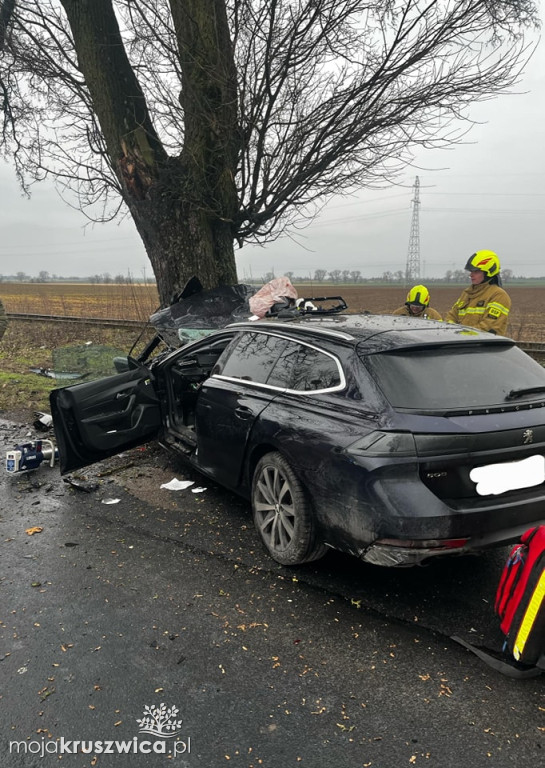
{"points": [[390, 554], [393, 519]]}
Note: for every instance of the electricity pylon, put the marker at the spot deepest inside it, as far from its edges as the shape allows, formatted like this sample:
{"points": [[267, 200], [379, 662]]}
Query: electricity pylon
{"points": [[412, 272]]}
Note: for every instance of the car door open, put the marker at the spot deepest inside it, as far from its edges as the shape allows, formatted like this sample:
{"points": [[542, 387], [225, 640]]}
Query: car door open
{"points": [[98, 419]]}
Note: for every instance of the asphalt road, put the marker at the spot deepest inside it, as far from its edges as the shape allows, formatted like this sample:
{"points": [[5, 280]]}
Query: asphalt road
{"points": [[166, 597]]}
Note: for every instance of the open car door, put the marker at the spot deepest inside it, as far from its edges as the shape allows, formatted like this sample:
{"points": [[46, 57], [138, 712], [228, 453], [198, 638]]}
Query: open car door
{"points": [[101, 418]]}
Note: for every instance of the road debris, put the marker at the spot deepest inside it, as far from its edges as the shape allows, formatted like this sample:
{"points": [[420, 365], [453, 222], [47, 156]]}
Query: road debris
{"points": [[81, 485], [177, 485], [33, 530]]}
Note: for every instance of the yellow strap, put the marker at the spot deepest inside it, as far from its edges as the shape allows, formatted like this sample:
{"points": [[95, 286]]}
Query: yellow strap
{"points": [[529, 617]]}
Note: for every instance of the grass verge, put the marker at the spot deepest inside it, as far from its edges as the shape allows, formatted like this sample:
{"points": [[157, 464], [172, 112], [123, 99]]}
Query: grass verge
{"points": [[43, 345]]}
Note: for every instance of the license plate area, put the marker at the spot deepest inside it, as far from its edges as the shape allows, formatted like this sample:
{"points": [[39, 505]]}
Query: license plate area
{"points": [[495, 479]]}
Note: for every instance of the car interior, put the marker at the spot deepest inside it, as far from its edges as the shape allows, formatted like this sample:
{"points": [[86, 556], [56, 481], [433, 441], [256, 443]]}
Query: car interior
{"points": [[186, 377]]}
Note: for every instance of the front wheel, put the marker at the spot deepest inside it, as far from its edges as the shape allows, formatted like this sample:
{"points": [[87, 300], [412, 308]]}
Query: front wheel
{"points": [[282, 512]]}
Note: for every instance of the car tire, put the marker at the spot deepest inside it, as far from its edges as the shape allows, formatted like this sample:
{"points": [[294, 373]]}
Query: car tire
{"points": [[283, 515]]}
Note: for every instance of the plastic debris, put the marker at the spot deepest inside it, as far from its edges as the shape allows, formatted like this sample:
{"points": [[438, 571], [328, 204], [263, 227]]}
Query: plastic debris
{"points": [[81, 485], [110, 501], [178, 485], [42, 420], [198, 490]]}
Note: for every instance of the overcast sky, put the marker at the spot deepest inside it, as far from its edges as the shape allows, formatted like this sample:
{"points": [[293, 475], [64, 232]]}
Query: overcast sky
{"points": [[488, 193]]}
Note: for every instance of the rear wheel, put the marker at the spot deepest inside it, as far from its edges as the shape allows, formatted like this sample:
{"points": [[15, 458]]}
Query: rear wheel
{"points": [[283, 514]]}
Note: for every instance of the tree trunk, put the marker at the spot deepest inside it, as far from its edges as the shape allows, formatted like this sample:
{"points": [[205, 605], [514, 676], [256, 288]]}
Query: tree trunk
{"points": [[182, 239], [183, 207]]}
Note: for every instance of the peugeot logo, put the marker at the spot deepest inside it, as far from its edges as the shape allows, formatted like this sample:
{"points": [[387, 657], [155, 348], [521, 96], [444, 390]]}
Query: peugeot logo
{"points": [[528, 436]]}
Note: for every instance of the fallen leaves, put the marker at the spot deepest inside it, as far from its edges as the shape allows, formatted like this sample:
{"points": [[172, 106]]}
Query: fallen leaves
{"points": [[445, 690], [33, 530], [45, 692], [251, 625]]}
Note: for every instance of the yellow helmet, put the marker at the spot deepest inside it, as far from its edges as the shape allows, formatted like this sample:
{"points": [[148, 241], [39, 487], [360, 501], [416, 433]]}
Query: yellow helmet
{"points": [[418, 295], [486, 261]]}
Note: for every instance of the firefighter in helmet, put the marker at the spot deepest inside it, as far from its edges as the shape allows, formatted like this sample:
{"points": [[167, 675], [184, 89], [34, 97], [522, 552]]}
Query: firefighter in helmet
{"points": [[418, 304], [484, 304]]}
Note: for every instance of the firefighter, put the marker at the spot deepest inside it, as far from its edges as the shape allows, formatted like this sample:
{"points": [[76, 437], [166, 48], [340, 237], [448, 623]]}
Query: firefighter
{"points": [[484, 304], [418, 304]]}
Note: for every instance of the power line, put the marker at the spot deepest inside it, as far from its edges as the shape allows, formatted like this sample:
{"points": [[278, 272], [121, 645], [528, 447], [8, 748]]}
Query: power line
{"points": [[491, 194], [493, 211]]}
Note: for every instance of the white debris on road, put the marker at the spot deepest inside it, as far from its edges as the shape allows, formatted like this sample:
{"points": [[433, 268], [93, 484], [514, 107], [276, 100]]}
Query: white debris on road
{"points": [[177, 485]]}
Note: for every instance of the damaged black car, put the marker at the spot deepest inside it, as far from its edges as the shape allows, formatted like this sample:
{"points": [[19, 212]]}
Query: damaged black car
{"points": [[390, 438]]}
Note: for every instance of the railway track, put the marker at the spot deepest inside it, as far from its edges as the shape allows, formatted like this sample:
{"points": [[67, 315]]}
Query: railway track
{"points": [[102, 321], [534, 348]]}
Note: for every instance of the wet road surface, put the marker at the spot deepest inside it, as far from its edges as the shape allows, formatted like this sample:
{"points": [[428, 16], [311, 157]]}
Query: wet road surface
{"points": [[167, 597]]}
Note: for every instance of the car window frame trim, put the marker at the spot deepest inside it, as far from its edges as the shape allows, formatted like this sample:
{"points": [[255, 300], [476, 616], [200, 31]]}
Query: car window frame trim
{"points": [[286, 390], [179, 351], [323, 331]]}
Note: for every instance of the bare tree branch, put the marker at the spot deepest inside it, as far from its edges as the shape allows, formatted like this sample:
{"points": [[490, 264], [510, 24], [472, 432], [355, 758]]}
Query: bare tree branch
{"points": [[237, 119]]}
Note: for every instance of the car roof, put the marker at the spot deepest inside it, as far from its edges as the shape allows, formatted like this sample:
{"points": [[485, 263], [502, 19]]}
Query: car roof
{"points": [[378, 333]]}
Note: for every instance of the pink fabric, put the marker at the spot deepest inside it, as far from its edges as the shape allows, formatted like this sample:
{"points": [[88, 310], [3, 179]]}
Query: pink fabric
{"points": [[272, 292]]}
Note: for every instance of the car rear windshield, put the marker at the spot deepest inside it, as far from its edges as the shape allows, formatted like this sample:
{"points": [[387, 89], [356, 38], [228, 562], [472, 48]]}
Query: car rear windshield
{"points": [[449, 378]]}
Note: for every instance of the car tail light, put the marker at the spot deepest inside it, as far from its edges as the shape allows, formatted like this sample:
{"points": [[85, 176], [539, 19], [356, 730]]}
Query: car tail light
{"points": [[379, 443]]}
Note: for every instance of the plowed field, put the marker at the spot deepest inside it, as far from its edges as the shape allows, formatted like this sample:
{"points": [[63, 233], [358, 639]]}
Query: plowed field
{"points": [[527, 318], [138, 301]]}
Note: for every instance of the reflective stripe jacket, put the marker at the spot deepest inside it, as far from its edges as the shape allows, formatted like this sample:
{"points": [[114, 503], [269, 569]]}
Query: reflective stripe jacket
{"points": [[3, 319], [428, 314], [485, 307]]}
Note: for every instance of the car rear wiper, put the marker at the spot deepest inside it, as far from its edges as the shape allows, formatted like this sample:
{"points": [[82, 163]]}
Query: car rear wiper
{"points": [[514, 393]]}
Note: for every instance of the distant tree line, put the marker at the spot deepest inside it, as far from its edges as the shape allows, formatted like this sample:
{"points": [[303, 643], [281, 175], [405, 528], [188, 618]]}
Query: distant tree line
{"points": [[347, 276], [105, 278], [334, 276]]}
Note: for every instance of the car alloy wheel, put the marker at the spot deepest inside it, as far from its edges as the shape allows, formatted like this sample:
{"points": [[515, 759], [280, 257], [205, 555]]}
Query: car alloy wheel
{"points": [[283, 515]]}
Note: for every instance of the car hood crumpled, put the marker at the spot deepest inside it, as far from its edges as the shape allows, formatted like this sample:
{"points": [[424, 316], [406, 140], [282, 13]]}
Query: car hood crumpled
{"points": [[196, 311]]}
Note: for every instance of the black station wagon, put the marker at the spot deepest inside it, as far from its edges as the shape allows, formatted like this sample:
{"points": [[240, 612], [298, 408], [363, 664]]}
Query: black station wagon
{"points": [[390, 438]]}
